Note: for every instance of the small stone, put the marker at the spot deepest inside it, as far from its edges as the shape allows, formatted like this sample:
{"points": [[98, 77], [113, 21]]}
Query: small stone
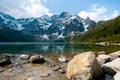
{"points": [[37, 59], [5, 62], [2, 70], [62, 59], [61, 71], [6, 55], [51, 65], [31, 78], [44, 73], [25, 62], [56, 68], [25, 56]]}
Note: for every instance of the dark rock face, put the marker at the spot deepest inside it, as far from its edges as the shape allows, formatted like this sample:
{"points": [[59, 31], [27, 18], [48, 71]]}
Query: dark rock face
{"points": [[5, 62]]}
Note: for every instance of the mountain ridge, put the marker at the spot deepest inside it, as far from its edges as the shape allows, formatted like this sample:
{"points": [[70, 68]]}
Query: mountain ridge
{"points": [[109, 31], [45, 28]]}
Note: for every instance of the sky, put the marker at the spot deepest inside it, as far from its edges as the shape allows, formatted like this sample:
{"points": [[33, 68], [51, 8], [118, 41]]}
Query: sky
{"points": [[94, 9]]}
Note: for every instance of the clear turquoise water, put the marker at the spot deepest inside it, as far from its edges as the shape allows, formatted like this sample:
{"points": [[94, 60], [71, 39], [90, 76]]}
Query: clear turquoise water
{"points": [[51, 48]]}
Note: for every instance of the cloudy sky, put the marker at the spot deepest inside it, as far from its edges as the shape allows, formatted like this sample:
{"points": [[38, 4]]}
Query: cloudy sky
{"points": [[95, 9]]}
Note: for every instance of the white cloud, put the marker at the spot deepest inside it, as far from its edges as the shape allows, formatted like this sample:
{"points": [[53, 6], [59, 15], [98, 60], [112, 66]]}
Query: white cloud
{"points": [[115, 13], [97, 13], [24, 8]]}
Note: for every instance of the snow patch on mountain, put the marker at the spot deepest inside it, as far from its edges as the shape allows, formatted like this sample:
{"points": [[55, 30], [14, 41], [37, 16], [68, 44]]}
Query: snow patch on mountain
{"points": [[61, 36], [5, 20], [47, 26], [20, 27], [55, 34], [73, 17], [85, 26], [62, 28], [45, 36]]}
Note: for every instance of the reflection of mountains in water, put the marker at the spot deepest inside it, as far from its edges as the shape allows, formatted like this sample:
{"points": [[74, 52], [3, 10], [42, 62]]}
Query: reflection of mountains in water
{"points": [[33, 48], [45, 48], [50, 48]]}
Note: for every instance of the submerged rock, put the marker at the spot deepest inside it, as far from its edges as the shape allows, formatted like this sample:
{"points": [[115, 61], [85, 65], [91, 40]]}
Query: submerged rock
{"points": [[84, 66], [5, 62], [37, 59], [113, 67]]}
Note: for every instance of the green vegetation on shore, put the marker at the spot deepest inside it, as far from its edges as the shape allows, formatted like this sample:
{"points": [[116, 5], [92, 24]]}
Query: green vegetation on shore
{"points": [[108, 31]]}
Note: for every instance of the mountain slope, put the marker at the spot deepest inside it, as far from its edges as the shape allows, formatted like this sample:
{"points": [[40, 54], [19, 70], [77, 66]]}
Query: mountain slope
{"points": [[108, 31], [10, 35]]}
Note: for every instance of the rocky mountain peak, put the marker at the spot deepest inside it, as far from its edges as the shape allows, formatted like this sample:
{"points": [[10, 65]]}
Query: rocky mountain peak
{"points": [[45, 27], [65, 14]]}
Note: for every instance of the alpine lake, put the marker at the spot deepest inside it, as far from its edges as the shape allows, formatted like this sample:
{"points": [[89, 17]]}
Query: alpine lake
{"points": [[52, 48]]}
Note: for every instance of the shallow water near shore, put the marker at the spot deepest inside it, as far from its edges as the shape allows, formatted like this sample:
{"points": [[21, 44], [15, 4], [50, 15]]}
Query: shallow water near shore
{"points": [[52, 48]]}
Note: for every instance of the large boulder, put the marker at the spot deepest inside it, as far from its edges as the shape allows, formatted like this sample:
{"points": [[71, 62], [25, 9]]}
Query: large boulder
{"points": [[84, 66], [117, 76], [37, 59], [24, 56], [103, 58], [115, 55], [5, 62], [112, 67]]}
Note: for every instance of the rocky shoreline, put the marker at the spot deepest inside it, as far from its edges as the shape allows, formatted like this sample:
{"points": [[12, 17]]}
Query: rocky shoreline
{"points": [[83, 66]]}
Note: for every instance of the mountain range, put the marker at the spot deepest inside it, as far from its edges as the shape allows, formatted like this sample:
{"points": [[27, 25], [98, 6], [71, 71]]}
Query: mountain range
{"points": [[44, 28]]}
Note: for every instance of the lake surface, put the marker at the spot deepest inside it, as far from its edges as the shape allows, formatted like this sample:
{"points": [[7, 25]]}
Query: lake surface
{"points": [[51, 48]]}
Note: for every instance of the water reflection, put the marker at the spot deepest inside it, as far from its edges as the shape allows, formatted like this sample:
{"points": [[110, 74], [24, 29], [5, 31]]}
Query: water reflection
{"points": [[32, 48], [45, 48]]}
